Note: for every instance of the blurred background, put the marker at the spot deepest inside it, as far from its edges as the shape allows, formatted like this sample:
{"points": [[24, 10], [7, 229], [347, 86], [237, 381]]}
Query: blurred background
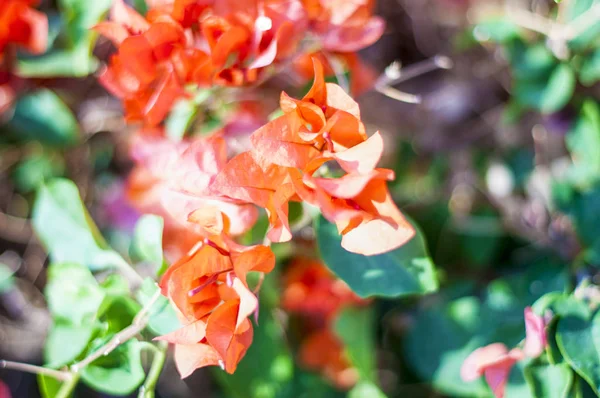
{"points": [[474, 168]]}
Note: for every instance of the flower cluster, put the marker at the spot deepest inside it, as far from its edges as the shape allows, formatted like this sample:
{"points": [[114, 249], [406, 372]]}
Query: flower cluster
{"points": [[291, 160], [495, 361], [209, 289], [20, 26], [181, 45], [313, 293]]}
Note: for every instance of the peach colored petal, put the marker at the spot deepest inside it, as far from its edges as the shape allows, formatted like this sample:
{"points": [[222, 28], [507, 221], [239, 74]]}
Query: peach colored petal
{"points": [[376, 237], [339, 99], [113, 31], [474, 365], [191, 357], [363, 157], [189, 334]]}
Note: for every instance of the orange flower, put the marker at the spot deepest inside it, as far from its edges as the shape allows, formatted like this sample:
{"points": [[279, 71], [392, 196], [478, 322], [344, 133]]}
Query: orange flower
{"points": [[287, 162], [193, 42], [172, 180], [344, 25], [209, 290], [22, 25], [312, 292]]}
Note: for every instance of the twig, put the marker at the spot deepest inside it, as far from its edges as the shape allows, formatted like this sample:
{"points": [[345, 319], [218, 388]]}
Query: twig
{"points": [[395, 74], [158, 361], [583, 22], [139, 323], [25, 367]]}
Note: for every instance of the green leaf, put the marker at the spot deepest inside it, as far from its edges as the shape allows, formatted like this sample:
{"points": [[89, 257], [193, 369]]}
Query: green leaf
{"points": [[180, 119], [559, 89], [355, 328], [72, 293], [7, 280], [59, 63], [35, 169], [43, 116], [80, 16], [366, 390], [163, 318], [64, 226], [147, 241], [439, 342], [583, 142], [584, 210], [589, 73], [497, 30], [48, 386], [549, 381], [590, 36], [578, 338], [66, 342], [119, 312], [119, 373], [407, 270]]}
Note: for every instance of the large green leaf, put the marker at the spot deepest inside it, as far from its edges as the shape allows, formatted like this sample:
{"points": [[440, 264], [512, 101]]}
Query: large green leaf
{"points": [[163, 318], [59, 63], [72, 293], [65, 228], [147, 241], [407, 270], [578, 338], [589, 73], [356, 328], [119, 373], [80, 16], [42, 115], [66, 342], [549, 381]]}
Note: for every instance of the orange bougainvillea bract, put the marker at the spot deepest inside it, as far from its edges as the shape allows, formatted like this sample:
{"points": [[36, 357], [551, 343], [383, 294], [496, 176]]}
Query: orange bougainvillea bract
{"points": [[290, 161]]}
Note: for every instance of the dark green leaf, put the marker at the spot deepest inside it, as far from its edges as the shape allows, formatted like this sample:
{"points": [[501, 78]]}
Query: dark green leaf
{"points": [[119, 373], [549, 381], [578, 338], [407, 270], [72, 293], [163, 318], [65, 228], [439, 342], [35, 169], [43, 116]]}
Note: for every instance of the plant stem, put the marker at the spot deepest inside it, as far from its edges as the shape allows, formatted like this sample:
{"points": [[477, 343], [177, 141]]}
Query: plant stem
{"points": [[67, 388], [25, 367], [139, 323], [158, 361]]}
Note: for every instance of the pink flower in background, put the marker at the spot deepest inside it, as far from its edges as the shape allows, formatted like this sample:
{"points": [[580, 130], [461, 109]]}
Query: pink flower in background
{"points": [[495, 361]]}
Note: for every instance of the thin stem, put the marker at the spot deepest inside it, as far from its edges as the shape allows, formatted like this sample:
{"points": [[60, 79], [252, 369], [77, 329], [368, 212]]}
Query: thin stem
{"points": [[395, 74], [139, 323], [158, 361], [25, 367], [67, 388]]}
